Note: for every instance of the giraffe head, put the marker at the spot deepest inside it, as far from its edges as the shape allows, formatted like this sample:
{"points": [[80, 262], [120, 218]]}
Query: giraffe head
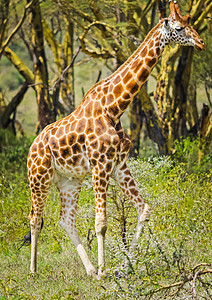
{"points": [[178, 30]]}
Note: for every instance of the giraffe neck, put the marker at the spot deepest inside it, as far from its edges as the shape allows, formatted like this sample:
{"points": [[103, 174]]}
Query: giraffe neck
{"points": [[121, 87]]}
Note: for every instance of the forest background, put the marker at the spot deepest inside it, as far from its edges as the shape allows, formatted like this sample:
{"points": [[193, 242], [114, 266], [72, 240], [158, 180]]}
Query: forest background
{"points": [[51, 53]]}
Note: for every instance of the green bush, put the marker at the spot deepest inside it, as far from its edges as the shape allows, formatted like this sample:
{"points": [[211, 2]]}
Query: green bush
{"points": [[186, 152], [14, 151], [175, 244]]}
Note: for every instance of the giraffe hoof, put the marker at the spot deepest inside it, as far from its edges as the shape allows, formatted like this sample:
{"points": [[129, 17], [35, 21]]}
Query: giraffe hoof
{"points": [[33, 274], [101, 274], [92, 273]]}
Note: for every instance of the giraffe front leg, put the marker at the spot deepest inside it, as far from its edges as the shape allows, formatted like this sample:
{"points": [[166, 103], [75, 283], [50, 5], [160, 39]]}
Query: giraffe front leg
{"points": [[128, 186], [100, 184], [101, 228]]}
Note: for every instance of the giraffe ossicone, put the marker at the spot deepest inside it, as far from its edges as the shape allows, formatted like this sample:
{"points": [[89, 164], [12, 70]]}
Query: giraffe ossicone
{"points": [[91, 140]]}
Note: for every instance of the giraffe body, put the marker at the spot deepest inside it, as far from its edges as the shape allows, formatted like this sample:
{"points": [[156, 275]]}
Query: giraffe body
{"points": [[92, 141]]}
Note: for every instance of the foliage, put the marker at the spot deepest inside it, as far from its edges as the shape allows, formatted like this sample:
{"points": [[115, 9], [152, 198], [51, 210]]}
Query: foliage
{"points": [[111, 29], [175, 245], [13, 151], [202, 70], [10, 79], [186, 152]]}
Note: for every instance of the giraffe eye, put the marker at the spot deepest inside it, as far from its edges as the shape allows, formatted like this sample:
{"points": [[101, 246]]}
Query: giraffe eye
{"points": [[179, 28]]}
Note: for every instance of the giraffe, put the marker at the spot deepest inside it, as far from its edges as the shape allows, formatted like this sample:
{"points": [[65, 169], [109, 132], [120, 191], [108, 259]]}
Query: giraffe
{"points": [[91, 141]]}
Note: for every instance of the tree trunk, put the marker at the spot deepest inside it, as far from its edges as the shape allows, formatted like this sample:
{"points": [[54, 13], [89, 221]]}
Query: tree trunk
{"points": [[4, 17], [162, 94], [191, 110], [11, 107], [67, 88], [46, 113], [154, 126], [180, 92], [135, 119], [205, 133], [63, 54]]}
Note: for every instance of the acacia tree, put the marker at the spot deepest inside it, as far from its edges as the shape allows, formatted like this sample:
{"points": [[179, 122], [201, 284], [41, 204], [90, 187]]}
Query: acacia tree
{"points": [[117, 29], [45, 105], [54, 94], [169, 121], [172, 93], [111, 31], [5, 38]]}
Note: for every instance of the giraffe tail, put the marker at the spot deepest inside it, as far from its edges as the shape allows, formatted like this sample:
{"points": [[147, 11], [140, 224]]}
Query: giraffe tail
{"points": [[26, 241]]}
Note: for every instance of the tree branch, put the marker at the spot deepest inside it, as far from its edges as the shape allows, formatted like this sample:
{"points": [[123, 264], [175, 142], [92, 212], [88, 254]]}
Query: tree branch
{"points": [[5, 44], [4, 6], [201, 18], [103, 54], [190, 277], [66, 69], [11, 107], [66, 8], [19, 65], [53, 43]]}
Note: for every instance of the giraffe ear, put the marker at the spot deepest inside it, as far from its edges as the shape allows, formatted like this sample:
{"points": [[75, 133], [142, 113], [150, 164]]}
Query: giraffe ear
{"points": [[166, 22]]}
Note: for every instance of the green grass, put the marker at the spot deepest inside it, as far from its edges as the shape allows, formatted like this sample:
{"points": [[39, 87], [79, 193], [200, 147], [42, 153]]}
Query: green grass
{"points": [[176, 239]]}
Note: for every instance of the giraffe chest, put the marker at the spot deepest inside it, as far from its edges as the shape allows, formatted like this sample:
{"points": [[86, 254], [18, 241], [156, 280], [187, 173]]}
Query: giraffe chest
{"points": [[76, 153], [69, 156], [74, 166]]}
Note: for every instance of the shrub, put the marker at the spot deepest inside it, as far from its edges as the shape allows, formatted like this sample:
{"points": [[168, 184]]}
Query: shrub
{"points": [[186, 152], [172, 260]]}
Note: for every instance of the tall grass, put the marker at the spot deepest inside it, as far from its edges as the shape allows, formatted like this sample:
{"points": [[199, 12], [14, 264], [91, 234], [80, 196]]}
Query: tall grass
{"points": [[175, 245]]}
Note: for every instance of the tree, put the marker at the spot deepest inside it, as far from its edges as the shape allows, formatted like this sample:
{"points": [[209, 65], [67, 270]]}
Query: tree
{"points": [[52, 99], [45, 105], [111, 31], [205, 135], [116, 37], [7, 111], [172, 95], [120, 28]]}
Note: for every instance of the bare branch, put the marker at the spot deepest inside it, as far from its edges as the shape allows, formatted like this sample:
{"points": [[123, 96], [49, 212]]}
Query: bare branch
{"points": [[19, 65], [39, 83], [200, 20], [104, 53], [190, 277], [66, 69], [201, 265], [194, 285]]}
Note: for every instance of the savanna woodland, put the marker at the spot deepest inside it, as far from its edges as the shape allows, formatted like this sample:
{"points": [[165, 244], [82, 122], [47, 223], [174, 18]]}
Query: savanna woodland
{"points": [[51, 53]]}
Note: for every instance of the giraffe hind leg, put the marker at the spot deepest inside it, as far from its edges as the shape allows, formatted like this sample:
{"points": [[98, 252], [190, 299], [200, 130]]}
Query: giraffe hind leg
{"points": [[69, 193], [127, 184], [35, 217], [39, 185]]}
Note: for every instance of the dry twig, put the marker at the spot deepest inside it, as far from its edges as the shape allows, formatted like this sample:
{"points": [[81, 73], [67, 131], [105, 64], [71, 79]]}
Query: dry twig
{"points": [[66, 69], [187, 278]]}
